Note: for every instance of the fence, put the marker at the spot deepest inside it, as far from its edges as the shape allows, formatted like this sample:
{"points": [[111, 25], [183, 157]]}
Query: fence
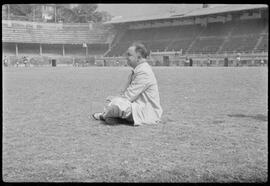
{"points": [[155, 59]]}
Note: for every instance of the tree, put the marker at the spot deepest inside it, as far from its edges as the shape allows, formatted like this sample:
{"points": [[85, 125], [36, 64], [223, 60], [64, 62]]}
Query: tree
{"points": [[84, 13], [5, 11], [29, 11], [63, 13], [36, 13], [81, 13], [20, 9], [102, 16]]}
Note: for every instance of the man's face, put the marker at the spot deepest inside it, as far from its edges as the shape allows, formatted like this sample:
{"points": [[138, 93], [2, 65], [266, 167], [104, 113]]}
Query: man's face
{"points": [[131, 56]]}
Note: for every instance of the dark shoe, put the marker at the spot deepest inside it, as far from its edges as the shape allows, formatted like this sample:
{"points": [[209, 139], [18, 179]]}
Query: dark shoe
{"points": [[97, 116], [117, 121]]}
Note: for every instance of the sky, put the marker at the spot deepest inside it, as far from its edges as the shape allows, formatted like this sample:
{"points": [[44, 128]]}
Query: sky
{"points": [[134, 10]]}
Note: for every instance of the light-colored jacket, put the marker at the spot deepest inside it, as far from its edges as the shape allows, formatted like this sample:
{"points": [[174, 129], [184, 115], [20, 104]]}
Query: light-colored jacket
{"points": [[142, 92]]}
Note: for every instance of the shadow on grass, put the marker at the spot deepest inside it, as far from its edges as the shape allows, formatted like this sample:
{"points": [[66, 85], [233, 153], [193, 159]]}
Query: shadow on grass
{"points": [[191, 175], [259, 117], [218, 121], [117, 122]]}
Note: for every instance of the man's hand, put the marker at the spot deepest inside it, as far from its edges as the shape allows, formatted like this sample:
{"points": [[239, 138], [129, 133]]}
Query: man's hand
{"points": [[110, 98]]}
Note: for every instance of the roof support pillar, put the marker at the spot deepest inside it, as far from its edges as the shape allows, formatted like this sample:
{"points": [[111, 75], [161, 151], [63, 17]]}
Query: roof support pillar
{"points": [[63, 49], [40, 49], [16, 49]]}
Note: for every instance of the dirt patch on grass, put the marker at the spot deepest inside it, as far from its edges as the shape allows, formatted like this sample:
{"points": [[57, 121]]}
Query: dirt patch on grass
{"points": [[259, 117]]}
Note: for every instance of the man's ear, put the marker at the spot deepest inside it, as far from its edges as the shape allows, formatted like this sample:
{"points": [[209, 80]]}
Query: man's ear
{"points": [[138, 56]]}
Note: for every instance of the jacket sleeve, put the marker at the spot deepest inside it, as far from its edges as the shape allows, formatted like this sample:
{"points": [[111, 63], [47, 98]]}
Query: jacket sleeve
{"points": [[138, 85], [127, 83]]}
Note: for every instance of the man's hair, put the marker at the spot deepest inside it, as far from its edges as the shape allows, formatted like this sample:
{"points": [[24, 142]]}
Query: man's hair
{"points": [[140, 48]]}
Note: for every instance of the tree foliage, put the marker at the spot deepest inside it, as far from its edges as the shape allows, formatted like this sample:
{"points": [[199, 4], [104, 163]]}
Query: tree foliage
{"points": [[20, 9], [82, 13]]}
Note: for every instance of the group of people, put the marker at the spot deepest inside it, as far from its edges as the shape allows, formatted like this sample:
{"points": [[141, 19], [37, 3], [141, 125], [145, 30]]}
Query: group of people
{"points": [[188, 62], [24, 60]]}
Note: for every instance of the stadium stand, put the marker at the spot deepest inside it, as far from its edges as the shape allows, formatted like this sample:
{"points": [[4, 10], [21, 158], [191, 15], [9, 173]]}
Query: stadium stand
{"points": [[241, 43], [55, 36], [30, 35], [206, 45], [52, 50], [248, 27], [9, 49], [29, 48], [217, 31], [209, 39], [178, 45], [263, 45], [240, 33]]}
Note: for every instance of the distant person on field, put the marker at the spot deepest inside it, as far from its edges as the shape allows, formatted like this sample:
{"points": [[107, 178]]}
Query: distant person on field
{"points": [[139, 102], [117, 63], [226, 61], [208, 61], [238, 59], [5, 61], [25, 61], [73, 62], [186, 61], [190, 62], [262, 62]]}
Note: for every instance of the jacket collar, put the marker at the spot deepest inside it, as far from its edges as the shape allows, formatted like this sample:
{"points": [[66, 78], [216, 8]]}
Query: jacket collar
{"points": [[140, 65]]}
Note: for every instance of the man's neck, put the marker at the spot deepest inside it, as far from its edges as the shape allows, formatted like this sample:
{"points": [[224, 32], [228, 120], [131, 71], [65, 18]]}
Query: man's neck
{"points": [[139, 62]]}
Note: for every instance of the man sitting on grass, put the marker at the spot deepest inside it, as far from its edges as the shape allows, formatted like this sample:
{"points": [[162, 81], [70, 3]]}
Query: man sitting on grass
{"points": [[139, 101]]}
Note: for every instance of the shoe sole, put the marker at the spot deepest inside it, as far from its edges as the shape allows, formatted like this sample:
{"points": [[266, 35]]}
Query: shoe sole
{"points": [[92, 116], [117, 121]]}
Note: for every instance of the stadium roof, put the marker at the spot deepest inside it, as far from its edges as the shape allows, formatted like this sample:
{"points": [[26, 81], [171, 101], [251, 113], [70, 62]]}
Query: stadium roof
{"points": [[223, 9], [140, 18], [196, 12]]}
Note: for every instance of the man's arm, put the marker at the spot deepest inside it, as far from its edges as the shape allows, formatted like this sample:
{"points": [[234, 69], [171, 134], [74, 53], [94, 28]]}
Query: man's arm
{"points": [[139, 84], [129, 79], [121, 93]]}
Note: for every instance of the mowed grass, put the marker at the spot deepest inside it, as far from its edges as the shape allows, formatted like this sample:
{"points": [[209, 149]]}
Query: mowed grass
{"points": [[214, 127]]}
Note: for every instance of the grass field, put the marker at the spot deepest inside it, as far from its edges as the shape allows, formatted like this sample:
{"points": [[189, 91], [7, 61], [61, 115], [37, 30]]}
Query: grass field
{"points": [[214, 127]]}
